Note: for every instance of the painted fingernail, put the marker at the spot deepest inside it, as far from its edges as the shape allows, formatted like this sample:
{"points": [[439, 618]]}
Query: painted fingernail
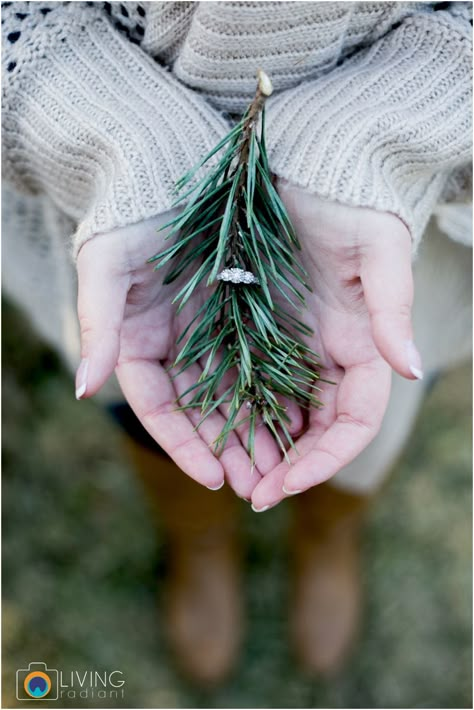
{"points": [[414, 360], [81, 378], [291, 493], [259, 510], [265, 507], [216, 488]]}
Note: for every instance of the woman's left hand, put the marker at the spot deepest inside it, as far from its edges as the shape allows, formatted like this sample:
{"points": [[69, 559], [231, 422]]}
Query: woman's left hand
{"points": [[359, 264]]}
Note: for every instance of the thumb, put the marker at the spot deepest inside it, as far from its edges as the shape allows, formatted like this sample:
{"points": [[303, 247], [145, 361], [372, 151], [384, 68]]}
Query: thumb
{"points": [[387, 280], [102, 292]]}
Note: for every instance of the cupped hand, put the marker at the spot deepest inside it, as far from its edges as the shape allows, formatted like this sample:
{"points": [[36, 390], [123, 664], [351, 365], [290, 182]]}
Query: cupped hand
{"points": [[359, 264], [128, 324]]}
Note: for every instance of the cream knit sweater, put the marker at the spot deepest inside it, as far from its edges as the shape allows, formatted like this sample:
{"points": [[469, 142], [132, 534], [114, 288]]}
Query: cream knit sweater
{"points": [[105, 105]]}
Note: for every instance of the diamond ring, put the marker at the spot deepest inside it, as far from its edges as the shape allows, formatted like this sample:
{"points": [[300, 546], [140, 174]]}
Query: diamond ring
{"points": [[237, 276]]}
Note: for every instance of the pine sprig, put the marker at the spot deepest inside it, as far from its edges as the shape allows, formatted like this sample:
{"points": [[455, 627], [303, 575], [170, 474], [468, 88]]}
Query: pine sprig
{"points": [[234, 219]]}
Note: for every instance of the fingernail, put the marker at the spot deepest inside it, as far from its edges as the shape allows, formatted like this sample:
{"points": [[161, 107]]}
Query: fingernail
{"points": [[262, 510], [81, 378], [259, 510], [291, 493], [216, 488], [414, 360]]}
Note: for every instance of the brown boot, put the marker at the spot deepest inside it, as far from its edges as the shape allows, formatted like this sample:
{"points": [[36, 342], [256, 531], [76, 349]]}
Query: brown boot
{"points": [[203, 599], [326, 585]]}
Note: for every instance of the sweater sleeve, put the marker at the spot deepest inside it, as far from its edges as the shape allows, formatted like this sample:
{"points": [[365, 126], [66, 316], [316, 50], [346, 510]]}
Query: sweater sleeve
{"points": [[91, 120], [388, 126]]}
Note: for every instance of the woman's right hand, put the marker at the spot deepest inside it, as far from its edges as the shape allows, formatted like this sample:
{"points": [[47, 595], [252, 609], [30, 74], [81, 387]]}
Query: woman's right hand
{"points": [[129, 325]]}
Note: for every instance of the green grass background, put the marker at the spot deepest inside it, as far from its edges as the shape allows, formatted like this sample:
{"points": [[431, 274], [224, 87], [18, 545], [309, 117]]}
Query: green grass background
{"points": [[82, 563]]}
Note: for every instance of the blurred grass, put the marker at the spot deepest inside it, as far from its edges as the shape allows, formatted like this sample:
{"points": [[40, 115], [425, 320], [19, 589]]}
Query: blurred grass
{"points": [[82, 563]]}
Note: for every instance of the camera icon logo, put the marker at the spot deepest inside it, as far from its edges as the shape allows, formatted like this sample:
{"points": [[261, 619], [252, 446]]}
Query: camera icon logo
{"points": [[37, 682]]}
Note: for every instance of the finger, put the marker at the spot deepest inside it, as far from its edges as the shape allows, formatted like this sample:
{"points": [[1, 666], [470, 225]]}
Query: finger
{"points": [[150, 392], [387, 280], [101, 302], [269, 491], [295, 415], [362, 399], [234, 458]]}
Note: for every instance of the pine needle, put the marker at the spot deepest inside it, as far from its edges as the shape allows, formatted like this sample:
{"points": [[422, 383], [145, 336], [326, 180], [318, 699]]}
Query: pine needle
{"points": [[233, 218]]}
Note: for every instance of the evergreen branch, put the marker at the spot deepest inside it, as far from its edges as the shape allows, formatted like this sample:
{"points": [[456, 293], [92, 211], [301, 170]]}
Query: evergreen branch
{"points": [[234, 232]]}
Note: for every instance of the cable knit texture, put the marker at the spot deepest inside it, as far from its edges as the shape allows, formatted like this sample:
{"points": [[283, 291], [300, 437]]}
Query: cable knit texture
{"points": [[393, 121], [371, 105], [94, 123], [106, 105]]}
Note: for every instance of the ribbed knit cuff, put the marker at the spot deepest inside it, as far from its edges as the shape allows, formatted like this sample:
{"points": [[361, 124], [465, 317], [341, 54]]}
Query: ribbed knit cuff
{"points": [[386, 128], [96, 124]]}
